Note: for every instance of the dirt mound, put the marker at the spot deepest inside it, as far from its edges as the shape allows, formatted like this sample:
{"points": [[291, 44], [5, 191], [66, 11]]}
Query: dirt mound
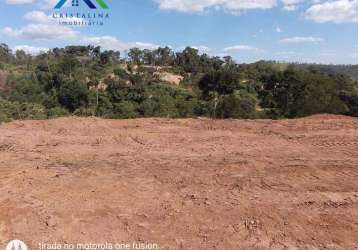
{"points": [[169, 77], [182, 184]]}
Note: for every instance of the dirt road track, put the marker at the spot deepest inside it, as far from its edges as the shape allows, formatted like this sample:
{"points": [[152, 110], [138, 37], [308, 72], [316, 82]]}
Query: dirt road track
{"points": [[184, 184]]}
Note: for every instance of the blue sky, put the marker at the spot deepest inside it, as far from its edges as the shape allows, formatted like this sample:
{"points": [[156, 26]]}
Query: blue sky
{"points": [[249, 30]]}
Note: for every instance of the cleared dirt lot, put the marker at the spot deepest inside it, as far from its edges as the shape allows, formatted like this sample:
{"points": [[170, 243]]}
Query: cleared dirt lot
{"points": [[183, 184]]}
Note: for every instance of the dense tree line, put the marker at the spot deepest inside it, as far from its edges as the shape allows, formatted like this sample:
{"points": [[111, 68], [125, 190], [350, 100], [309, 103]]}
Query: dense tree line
{"points": [[87, 81]]}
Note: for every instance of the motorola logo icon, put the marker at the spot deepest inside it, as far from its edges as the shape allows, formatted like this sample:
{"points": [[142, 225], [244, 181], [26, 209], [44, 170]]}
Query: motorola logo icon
{"points": [[16, 245]]}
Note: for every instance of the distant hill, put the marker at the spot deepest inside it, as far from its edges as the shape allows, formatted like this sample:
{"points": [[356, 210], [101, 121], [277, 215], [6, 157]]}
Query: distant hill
{"points": [[348, 70]]}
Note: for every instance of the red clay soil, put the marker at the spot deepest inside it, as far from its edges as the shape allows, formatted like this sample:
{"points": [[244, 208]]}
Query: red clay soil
{"points": [[181, 184]]}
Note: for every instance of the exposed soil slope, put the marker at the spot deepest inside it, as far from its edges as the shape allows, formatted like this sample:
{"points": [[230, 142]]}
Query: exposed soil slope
{"points": [[184, 184]]}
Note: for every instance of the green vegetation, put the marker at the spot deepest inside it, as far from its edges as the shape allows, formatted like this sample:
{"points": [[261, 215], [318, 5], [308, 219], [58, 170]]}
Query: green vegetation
{"points": [[86, 81]]}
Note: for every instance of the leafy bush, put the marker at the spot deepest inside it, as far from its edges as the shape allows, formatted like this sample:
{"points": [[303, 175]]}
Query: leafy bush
{"points": [[72, 95], [126, 110], [57, 112], [20, 111], [86, 112], [32, 111], [167, 101], [351, 100], [298, 93], [222, 81], [237, 105], [121, 73]]}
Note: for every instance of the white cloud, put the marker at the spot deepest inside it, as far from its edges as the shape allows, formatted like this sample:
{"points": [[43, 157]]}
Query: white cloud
{"points": [[202, 49], [107, 42], [302, 39], [354, 55], [339, 11], [239, 48], [112, 43], [287, 53], [42, 4], [30, 50], [37, 17], [232, 6], [278, 30], [328, 54], [202, 5], [42, 27], [40, 32], [19, 1], [291, 5], [40, 17], [50, 4], [142, 45]]}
